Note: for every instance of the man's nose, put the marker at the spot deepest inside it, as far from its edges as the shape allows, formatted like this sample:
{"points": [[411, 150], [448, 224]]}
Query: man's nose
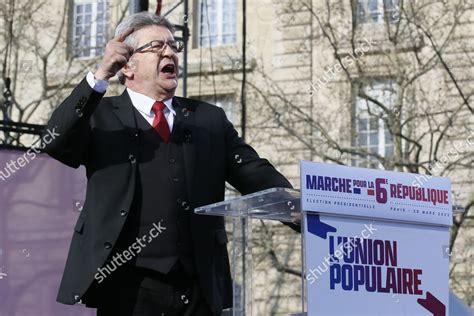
{"points": [[168, 51]]}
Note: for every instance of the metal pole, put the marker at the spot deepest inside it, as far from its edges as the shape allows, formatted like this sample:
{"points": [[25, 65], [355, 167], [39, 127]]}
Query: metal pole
{"points": [[136, 6], [185, 53], [246, 223], [244, 73]]}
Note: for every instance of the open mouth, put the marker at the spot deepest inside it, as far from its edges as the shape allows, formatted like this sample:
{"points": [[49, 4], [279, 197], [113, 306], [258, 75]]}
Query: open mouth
{"points": [[169, 69]]}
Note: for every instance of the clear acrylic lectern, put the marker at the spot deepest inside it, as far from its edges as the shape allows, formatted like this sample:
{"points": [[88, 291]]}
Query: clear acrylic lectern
{"points": [[273, 204]]}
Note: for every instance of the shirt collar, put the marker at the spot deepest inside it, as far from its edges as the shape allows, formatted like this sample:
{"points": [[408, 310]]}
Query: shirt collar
{"points": [[144, 103]]}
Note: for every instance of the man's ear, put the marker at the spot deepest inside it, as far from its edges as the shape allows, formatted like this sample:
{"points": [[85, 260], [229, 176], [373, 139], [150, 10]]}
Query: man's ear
{"points": [[130, 68]]}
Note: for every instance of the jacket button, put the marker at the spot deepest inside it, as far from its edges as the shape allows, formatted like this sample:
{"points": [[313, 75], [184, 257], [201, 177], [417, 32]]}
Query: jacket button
{"points": [[132, 159], [123, 212], [175, 179], [179, 201], [107, 245], [172, 160]]}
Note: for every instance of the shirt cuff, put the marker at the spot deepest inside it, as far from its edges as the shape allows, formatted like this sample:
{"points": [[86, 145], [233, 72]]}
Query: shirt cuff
{"points": [[98, 85]]}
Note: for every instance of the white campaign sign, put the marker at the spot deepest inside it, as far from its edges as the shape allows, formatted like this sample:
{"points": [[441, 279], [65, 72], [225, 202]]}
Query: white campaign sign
{"points": [[328, 188], [390, 258]]}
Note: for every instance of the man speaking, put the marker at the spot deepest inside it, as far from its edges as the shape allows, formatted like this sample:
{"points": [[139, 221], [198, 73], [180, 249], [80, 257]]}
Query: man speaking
{"points": [[151, 158]]}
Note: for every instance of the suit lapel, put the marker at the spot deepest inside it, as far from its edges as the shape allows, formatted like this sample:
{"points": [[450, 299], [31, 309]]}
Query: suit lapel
{"points": [[184, 131], [123, 108]]}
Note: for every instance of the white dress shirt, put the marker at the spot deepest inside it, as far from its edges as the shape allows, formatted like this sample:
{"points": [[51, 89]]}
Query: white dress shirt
{"points": [[140, 101]]}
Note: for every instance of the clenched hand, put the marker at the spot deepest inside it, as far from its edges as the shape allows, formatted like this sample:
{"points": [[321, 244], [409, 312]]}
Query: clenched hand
{"points": [[116, 55]]}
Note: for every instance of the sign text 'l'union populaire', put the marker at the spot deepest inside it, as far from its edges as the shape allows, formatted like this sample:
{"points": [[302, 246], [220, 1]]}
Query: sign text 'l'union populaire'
{"points": [[375, 241]]}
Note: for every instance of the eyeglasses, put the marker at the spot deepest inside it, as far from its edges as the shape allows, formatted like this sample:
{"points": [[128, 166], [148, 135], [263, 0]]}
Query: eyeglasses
{"points": [[158, 45]]}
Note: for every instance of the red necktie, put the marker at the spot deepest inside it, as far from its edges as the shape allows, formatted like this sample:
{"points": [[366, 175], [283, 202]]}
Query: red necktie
{"points": [[159, 122]]}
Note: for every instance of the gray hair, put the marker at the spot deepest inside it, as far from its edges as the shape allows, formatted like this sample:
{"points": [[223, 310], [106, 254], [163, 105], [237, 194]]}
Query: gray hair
{"points": [[138, 21]]}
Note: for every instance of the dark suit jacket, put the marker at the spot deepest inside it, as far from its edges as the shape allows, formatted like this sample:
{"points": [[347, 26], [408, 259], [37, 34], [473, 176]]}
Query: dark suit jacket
{"points": [[101, 134]]}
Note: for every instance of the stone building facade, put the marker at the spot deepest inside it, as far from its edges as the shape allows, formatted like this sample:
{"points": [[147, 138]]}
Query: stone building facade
{"points": [[364, 83]]}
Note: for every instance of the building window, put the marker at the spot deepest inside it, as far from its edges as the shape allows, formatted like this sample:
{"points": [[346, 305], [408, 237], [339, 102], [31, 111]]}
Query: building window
{"points": [[371, 131], [89, 28], [375, 11], [217, 22], [224, 101]]}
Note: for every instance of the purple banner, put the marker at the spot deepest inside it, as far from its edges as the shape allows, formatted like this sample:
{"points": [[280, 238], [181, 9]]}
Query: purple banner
{"points": [[40, 202]]}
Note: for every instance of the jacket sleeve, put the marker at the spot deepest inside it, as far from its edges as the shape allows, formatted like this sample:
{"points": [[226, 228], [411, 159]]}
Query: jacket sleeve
{"points": [[246, 171], [71, 122]]}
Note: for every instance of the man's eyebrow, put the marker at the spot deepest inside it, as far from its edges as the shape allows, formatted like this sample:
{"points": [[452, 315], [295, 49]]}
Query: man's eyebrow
{"points": [[164, 40]]}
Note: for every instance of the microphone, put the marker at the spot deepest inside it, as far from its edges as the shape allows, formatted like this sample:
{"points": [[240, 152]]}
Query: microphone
{"points": [[188, 136], [181, 134]]}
